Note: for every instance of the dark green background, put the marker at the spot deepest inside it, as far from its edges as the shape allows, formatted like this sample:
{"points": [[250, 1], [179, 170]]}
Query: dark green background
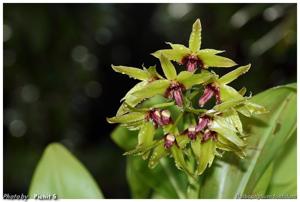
{"points": [[58, 84]]}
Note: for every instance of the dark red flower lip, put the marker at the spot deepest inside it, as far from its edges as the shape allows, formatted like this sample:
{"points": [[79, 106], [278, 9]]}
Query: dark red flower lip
{"points": [[175, 91], [210, 90], [192, 62]]}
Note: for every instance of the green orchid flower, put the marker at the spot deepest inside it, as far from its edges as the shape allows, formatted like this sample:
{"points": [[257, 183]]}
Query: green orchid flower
{"points": [[174, 85], [193, 57]]}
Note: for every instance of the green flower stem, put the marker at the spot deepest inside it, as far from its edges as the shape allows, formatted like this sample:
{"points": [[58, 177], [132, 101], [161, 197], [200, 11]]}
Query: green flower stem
{"points": [[193, 188]]}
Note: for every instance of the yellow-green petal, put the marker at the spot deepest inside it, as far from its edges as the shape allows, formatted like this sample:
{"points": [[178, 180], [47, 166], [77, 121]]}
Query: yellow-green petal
{"points": [[229, 77], [168, 68], [195, 37], [132, 72]]}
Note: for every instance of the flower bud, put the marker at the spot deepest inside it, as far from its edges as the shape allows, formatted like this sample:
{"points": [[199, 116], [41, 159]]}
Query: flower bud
{"points": [[192, 133], [169, 140], [209, 135], [202, 123], [166, 117]]}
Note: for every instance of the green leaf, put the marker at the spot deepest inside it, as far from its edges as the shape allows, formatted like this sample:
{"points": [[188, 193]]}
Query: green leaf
{"points": [[127, 118], [164, 179], [188, 79], [195, 37], [284, 178], [59, 172], [168, 68], [139, 189], [132, 72], [267, 135], [152, 89], [229, 77], [212, 60], [124, 138]]}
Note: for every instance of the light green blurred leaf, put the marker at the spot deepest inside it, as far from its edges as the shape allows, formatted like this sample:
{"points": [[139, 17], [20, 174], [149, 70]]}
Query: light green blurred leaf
{"points": [[268, 133], [59, 172], [284, 179]]}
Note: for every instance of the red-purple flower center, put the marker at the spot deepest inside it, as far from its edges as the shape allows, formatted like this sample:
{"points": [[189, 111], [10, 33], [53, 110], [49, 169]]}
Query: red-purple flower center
{"points": [[175, 91], [210, 90], [209, 135], [192, 62]]}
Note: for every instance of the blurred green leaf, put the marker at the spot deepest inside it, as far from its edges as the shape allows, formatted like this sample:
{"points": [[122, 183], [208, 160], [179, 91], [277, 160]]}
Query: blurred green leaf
{"points": [[59, 172], [284, 179], [268, 133]]}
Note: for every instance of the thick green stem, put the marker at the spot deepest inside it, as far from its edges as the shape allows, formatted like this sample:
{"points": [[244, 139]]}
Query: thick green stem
{"points": [[193, 189]]}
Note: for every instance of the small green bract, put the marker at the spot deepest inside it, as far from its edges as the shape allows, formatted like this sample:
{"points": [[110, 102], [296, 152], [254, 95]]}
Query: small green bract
{"points": [[191, 115]]}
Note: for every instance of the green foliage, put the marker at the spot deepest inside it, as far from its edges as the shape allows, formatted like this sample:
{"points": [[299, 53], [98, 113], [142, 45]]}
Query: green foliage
{"points": [[60, 173]]}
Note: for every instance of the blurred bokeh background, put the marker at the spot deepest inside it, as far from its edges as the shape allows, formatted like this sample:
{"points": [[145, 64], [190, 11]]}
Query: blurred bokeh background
{"points": [[59, 86]]}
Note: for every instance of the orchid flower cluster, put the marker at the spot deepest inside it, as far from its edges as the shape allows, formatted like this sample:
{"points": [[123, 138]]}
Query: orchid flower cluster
{"points": [[191, 116]]}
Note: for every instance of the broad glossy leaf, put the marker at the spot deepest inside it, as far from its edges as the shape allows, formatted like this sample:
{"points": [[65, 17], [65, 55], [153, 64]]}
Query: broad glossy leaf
{"points": [[195, 37], [164, 179], [284, 179], [132, 72], [152, 89], [59, 172], [229, 77], [211, 60], [168, 68], [268, 133], [139, 189]]}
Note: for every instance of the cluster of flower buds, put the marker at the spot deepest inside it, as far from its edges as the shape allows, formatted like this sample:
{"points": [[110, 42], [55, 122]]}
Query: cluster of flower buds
{"points": [[160, 117], [198, 131]]}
